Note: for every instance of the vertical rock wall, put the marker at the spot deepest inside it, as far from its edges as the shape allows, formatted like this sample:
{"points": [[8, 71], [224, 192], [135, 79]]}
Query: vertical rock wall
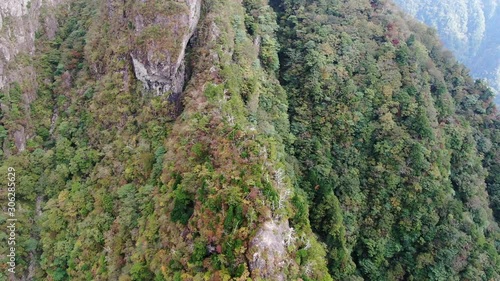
{"points": [[161, 39]]}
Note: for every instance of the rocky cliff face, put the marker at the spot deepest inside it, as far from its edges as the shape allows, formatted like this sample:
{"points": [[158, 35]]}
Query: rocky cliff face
{"points": [[19, 21], [162, 38]]}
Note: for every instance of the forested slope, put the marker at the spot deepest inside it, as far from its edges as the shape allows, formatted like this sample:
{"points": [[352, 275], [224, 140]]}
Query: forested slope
{"points": [[388, 125], [469, 28], [226, 140]]}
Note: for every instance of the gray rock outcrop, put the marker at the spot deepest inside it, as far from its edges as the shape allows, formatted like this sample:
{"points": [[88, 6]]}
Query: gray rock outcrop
{"points": [[158, 64]]}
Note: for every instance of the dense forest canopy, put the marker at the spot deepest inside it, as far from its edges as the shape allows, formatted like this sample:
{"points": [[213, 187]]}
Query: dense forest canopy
{"points": [[253, 140]]}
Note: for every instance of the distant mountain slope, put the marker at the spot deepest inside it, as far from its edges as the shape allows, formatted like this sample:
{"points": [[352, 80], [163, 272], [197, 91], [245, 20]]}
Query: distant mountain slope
{"points": [[470, 28]]}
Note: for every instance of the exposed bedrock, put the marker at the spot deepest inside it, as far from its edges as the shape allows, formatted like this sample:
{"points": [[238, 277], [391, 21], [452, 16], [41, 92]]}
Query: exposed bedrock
{"points": [[161, 40]]}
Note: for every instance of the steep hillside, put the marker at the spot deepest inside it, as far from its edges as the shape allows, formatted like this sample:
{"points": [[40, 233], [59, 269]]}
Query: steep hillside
{"points": [[469, 28], [253, 140], [385, 127]]}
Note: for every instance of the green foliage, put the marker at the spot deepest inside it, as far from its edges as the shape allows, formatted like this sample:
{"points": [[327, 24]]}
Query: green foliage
{"points": [[199, 151], [336, 123], [233, 217], [199, 252], [183, 207], [376, 139], [140, 272]]}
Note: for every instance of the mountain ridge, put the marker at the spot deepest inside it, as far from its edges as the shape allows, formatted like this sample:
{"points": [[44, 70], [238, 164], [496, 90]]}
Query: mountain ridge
{"points": [[295, 140]]}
